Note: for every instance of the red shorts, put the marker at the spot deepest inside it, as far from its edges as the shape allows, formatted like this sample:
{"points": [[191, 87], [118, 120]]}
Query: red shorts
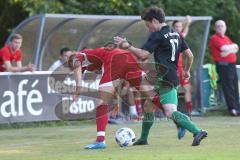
{"points": [[183, 81], [122, 67]]}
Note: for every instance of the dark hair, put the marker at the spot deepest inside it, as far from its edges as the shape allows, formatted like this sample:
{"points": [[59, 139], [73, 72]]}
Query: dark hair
{"points": [[65, 49], [174, 22], [16, 36], [153, 12], [84, 47], [70, 61], [110, 44]]}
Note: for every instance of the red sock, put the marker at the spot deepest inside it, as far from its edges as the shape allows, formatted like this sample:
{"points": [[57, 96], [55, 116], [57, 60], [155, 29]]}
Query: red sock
{"points": [[138, 103], [189, 106], [156, 101], [101, 121]]}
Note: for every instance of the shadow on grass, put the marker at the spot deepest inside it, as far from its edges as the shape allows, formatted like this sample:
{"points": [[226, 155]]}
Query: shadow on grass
{"points": [[45, 124]]}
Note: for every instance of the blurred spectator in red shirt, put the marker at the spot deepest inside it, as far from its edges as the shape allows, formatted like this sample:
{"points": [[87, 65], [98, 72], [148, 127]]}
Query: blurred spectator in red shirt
{"points": [[224, 53], [11, 56]]}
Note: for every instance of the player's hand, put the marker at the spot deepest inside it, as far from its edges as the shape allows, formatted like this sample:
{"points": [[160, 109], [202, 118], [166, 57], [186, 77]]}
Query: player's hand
{"points": [[118, 40], [31, 67], [121, 42], [186, 75], [189, 19], [76, 94]]}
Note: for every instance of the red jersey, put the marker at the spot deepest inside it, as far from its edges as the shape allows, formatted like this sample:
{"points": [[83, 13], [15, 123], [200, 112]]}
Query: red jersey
{"points": [[216, 42], [117, 64], [90, 60], [7, 55]]}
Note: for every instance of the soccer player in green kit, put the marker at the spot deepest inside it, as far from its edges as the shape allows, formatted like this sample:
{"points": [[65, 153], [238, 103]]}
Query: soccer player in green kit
{"points": [[165, 44]]}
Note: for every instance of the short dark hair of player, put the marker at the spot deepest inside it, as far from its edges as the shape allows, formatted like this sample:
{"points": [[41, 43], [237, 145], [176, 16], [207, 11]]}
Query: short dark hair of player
{"points": [[153, 12], [16, 36], [174, 22], [71, 61], [110, 45], [65, 49]]}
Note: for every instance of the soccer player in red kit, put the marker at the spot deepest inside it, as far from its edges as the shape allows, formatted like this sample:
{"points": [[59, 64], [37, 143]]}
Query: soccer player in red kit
{"points": [[182, 29], [117, 64]]}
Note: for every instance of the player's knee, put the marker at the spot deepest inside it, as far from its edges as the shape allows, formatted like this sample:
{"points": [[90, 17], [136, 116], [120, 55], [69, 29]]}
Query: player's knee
{"points": [[148, 107], [168, 114], [169, 109]]}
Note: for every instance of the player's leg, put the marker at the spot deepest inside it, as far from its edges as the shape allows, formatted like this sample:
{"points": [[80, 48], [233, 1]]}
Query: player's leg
{"points": [[114, 111], [138, 102], [151, 103], [188, 97], [169, 103], [131, 103], [147, 122], [127, 91], [147, 91], [187, 87], [181, 131], [106, 94]]}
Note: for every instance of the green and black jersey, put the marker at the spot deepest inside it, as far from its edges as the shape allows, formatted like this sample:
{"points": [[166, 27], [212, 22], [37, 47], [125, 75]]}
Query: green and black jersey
{"points": [[166, 45]]}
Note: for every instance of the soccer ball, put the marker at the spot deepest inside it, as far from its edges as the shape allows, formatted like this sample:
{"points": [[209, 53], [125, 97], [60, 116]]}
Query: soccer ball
{"points": [[125, 137]]}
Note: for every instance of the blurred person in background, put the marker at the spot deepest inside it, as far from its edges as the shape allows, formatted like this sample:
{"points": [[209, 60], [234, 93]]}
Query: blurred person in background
{"points": [[182, 28], [11, 56], [224, 54], [60, 64]]}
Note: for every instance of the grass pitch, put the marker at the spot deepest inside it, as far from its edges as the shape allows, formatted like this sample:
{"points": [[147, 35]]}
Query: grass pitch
{"points": [[67, 142]]}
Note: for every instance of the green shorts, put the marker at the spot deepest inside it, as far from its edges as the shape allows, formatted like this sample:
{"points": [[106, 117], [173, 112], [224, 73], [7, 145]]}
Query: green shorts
{"points": [[169, 97]]}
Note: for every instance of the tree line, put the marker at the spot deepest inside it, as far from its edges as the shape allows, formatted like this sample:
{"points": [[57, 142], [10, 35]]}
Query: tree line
{"points": [[14, 11]]}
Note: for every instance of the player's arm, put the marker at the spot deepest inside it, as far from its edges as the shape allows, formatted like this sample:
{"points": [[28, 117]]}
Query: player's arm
{"points": [[189, 62], [19, 64], [19, 67], [139, 53], [75, 65], [187, 25], [78, 77], [230, 48]]}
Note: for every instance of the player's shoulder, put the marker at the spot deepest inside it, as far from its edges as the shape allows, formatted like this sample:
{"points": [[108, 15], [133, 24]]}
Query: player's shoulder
{"points": [[156, 35], [215, 36], [182, 34], [226, 37], [167, 31], [5, 49], [79, 56], [215, 39]]}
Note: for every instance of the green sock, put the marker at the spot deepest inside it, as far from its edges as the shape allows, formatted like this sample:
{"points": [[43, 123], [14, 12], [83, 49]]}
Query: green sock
{"points": [[184, 121], [146, 125]]}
